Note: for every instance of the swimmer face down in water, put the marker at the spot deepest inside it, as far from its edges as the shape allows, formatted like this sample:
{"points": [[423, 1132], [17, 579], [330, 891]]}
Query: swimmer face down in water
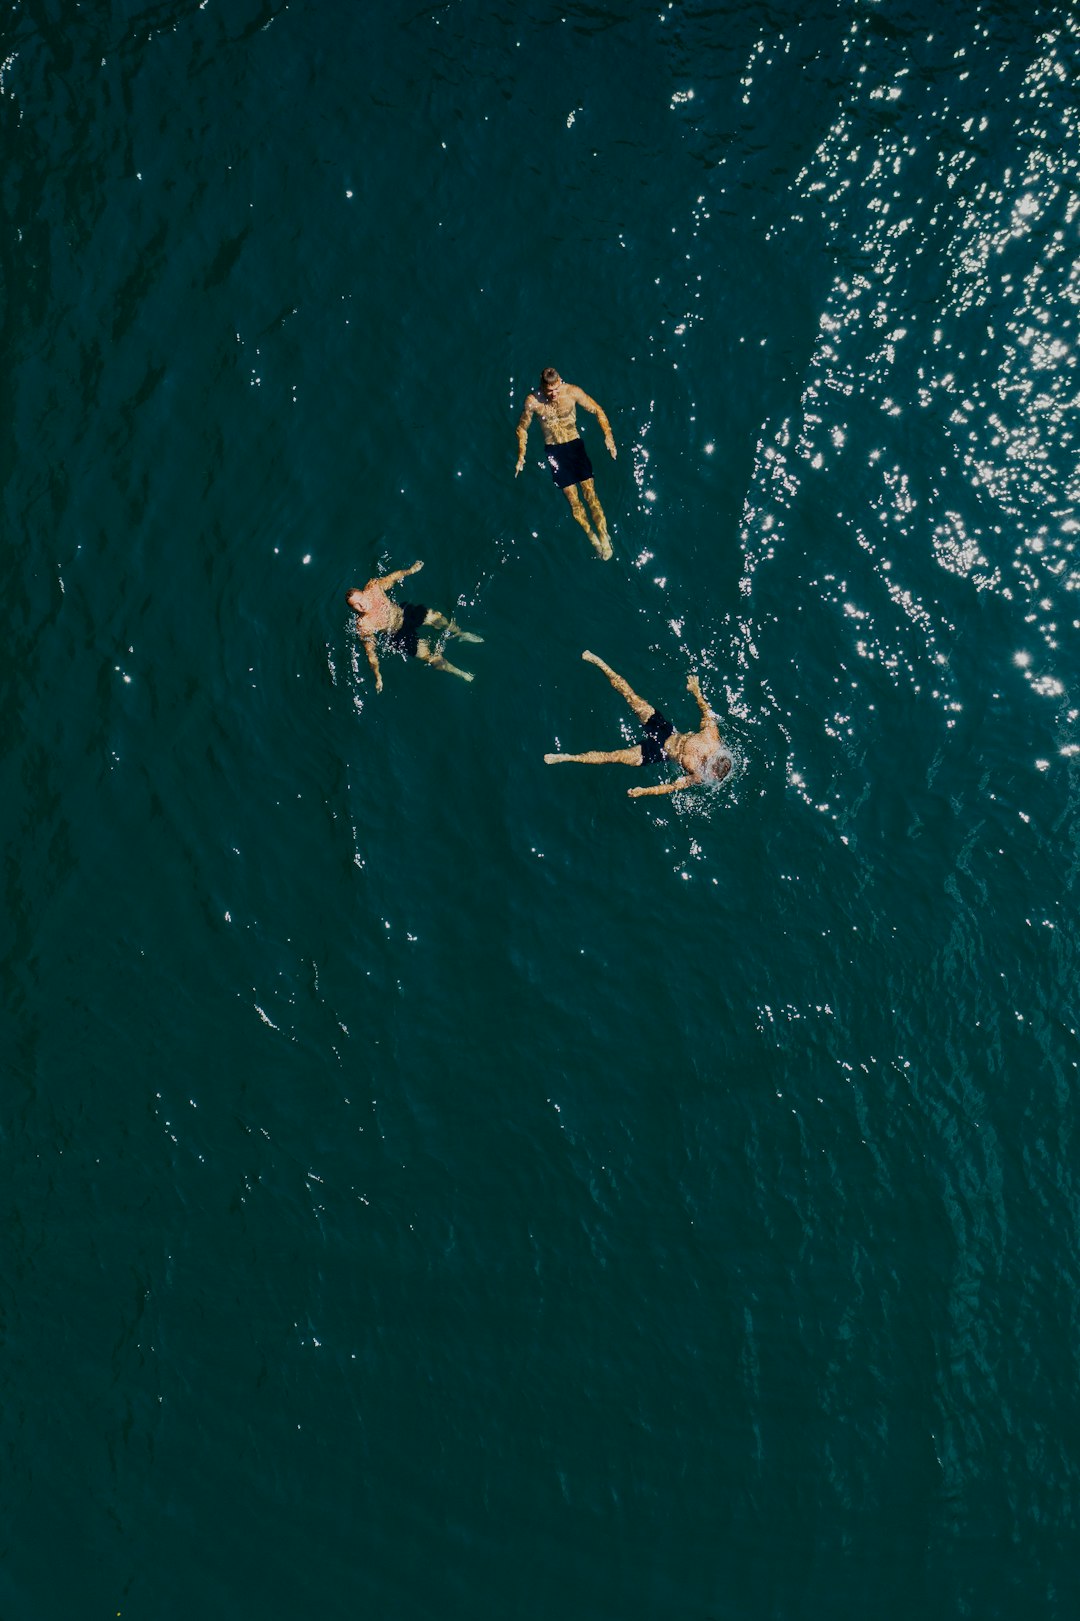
{"points": [[701, 754], [401, 624]]}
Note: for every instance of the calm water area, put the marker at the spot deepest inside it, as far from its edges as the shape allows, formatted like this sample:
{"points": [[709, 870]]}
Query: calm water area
{"points": [[436, 1186]]}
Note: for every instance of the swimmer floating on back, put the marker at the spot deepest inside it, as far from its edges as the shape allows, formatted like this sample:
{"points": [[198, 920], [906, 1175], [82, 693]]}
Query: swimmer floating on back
{"points": [[556, 403], [401, 624], [701, 754]]}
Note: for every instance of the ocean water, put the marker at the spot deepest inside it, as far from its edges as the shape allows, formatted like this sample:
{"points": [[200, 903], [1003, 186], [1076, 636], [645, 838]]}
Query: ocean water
{"points": [[434, 1184]]}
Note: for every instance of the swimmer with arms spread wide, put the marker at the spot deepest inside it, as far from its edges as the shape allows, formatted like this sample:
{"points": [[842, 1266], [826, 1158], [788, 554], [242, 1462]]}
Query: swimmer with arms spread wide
{"points": [[401, 624], [556, 403], [701, 754]]}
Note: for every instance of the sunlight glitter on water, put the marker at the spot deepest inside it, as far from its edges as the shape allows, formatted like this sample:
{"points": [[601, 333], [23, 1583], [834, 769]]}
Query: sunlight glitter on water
{"points": [[1009, 435]]}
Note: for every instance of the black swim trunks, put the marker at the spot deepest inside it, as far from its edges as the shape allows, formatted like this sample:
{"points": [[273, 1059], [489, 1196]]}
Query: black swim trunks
{"points": [[657, 731], [405, 638], [569, 463]]}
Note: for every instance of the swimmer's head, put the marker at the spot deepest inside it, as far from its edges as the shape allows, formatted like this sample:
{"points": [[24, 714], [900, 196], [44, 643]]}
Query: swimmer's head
{"points": [[716, 767], [549, 378], [355, 599]]}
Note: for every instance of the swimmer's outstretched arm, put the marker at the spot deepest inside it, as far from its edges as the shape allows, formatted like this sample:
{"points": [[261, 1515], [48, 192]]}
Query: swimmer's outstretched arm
{"points": [[662, 788], [598, 412], [523, 431], [389, 581], [373, 659], [693, 686], [708, 719]]}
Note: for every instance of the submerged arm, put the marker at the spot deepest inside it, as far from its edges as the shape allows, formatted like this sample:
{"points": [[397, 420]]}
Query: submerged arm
{"points": [[372, 658], [389, 581], [693, 687], [661, 788], [598, 412], [523, 432]]}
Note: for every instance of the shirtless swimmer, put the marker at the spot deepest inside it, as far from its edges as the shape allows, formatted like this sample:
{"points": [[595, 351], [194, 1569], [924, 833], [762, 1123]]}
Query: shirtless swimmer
{"points": [[401, 624], [701, 754], [556, 403]]}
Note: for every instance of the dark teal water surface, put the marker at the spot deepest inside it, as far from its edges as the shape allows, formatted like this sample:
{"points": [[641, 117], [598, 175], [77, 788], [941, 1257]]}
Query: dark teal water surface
{"points": [[435, 1185]]}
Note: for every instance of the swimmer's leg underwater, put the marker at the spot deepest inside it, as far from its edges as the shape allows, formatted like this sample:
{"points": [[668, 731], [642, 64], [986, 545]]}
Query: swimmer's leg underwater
{"points": [[641, 709], [439, 621], [438, 662], [631, 756], [588, 489], [600, 542]]}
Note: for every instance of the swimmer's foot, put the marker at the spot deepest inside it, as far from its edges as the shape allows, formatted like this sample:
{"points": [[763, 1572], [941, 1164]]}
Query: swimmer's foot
{"points": [[591, 658], [440, 663], [601, 545], [454, 629]]}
